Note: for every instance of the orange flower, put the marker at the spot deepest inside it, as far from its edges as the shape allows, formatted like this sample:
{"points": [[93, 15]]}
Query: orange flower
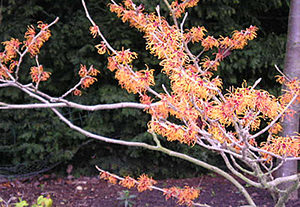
{"points": [[127, 15], [128, 182], [116, 9], [34, 43], [83, 71], [276, 128], [4, 72], [10, 48], [250, 33], [174, 132], [210, 64], [226, 42], [102, 48], [217, 133], [125, 56], [240, 38], [77, 92], [209, 42], [283, 146], [45, 76], [93, 71], [185, 196], [38, 74], [87, 82], [196, 34], [280, 79], [145, 183], [42, 26], [145, 99], [108, 177], [112, 64], [30, 33], [94, 30], [161, 110], [128, 4], [12, 65], [178, 9]]}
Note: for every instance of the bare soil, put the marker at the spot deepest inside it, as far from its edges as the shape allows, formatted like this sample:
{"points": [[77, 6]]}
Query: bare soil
{"points": [[92, 192]]}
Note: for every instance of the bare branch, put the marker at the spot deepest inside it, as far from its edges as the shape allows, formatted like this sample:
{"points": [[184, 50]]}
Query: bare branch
{"points": [[75, 105], [280, 180], [94, 24]]}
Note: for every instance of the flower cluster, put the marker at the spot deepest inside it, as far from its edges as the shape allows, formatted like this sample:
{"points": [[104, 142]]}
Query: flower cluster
{"points": [[246, 104], [195, 34], [32, 45], [163, 40], [132, 81], [38, 74], [87, 78], [179, 8], [108, 177], [128, 182], [184, 195], [174, 132], [10, 47], [94, 30], [240, 38], [145, 183], [35, 41], [7, 57], [283, 146]]}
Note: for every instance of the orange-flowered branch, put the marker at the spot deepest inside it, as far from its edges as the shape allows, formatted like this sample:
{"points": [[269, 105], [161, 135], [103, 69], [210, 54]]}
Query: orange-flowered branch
{"points": [[185, 196], [34, 42]]}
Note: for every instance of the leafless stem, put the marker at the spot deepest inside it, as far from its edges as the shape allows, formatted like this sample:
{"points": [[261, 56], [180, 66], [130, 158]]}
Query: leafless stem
{"points": [[99, 32], [277, 68]]}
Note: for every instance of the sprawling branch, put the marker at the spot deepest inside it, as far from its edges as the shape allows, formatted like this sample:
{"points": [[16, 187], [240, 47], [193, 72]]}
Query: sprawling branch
{"points": [[74, 105]]}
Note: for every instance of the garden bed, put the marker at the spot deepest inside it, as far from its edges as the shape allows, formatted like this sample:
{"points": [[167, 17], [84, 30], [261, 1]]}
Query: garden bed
{"points": [[92, 192]]}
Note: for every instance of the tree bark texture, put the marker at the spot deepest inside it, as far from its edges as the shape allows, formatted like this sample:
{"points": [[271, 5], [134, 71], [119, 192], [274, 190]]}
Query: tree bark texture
{"points": [[292, 69]]}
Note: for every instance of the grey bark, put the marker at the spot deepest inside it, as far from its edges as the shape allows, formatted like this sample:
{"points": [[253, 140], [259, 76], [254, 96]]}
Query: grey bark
{"points": [[292, 69]]}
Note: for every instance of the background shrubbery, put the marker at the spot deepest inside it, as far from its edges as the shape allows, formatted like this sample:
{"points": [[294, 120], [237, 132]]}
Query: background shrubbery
{"points": [[31, 136]]}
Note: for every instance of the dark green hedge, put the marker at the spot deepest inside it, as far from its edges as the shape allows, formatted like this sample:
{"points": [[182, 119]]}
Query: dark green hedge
{"points": [[28, 136]]}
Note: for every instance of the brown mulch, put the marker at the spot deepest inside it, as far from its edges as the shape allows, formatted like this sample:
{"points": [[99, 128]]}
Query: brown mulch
{"points": [[92, 192]]}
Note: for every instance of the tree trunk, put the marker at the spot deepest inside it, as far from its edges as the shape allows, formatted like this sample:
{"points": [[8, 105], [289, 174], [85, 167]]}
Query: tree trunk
{"points": [[292, 69]]}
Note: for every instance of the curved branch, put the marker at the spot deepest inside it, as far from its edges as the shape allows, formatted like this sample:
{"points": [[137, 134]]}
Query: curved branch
{"points": [[63, 102], [280, 180], [75, 105], [144, 145], [209, 167]]}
